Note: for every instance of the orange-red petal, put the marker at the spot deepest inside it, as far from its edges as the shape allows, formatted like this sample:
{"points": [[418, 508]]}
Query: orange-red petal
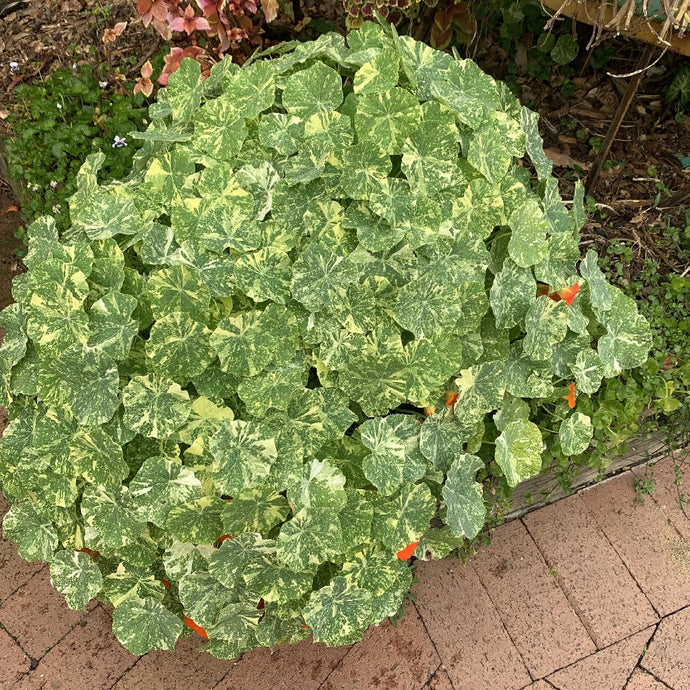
{"points": [[196, 628], [569, 293], [407, 552], [571, 396], [451, 398]]}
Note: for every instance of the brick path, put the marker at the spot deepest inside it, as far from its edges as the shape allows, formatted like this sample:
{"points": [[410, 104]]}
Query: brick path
{"points": [[590, 593]]}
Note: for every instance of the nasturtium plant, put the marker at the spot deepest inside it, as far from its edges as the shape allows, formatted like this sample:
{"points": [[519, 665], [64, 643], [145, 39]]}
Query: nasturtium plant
{"points": [[309, 334]]}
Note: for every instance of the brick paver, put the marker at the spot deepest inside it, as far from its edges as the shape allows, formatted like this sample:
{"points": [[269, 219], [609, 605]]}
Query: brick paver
{"points": [[403, 658], [594, 578], [668, 656], [608, 669], [641, 680], [439, 681], [185, 668], [89, 657], [466, 629], [37, 616], [644, 539], [13, 662], [303, 666], [542, 624]]}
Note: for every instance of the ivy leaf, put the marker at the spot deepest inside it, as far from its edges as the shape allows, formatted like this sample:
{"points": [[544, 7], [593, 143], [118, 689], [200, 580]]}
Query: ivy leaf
{"points": [[76, 577], [527, 245], [518, 451], [546, 324], [339, 613], [575, 433], [145, 624], [464, 496], [155, 406]]}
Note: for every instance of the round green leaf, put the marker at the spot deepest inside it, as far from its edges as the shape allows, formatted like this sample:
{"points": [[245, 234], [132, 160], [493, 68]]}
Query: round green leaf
{"points": [[518, 451], [76, 576], [575, 433], [145, 624]]}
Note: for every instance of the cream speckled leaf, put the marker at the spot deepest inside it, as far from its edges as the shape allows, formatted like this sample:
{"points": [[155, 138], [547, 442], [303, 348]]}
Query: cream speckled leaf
{"points": [[628, 336], [403, 519], [264, 275], [166, 176], [34, 534], [254, 510], [528, 378], [101, 215], [395, 457], [309, 539], [393, 200], [534, 143], [546, 324], [203, 596], [271, 388], [158, 486], [244, 453], [512, 294], [178, 289], [478, 210], [378, 74], [130, 581], [178, 347], [84, 380], [598, 287], [494, 144], [145, 624], [196, 521], [364, 166], [314, 90], [155, 406], [322, 486], [76, 577], [373, 233], [528, 244], [111, 324], [442, 438], [518, 451], [185, 89], [97, 457], [464, 496], [339, 613], [588, 371], [480, 390], [219, 128], [422, 65], [575, 433], [13, 322], [387, 118], [281, 132], [108, 509], [252, 90]]}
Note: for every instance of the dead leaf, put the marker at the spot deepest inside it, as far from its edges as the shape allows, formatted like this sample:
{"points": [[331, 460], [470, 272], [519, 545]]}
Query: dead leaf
{"points": [[563, 160], [12, 208], [270, 9]]}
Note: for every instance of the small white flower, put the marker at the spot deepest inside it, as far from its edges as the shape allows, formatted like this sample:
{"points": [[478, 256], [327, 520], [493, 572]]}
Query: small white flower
{"points": [[74, 65], [119, 142], [56, 209], [543, 446], [103, 84], [53, 185], [14, 66], [59, 106]]}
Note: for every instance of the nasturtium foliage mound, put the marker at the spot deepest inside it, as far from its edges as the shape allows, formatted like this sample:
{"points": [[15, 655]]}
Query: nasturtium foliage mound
{"points": [[297, 339]]}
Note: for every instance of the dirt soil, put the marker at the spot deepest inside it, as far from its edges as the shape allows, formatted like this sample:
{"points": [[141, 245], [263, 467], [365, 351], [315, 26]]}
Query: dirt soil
{"points": [[648, 188]]}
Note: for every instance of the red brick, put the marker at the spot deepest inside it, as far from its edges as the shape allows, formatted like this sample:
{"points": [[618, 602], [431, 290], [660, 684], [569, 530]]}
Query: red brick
{"points": [[302, 666], [644, 540], [402, 658], [540, 621], [594, 578], [13, 662], [15, 570], [641, 680], [186, 667], [668, 657], [665, 493], [466, 628], [608, 669], [88, 658], [439, 681], [37, 616]]}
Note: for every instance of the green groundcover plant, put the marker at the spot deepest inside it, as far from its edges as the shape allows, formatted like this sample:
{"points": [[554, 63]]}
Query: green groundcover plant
{"points": [[294, 342]]}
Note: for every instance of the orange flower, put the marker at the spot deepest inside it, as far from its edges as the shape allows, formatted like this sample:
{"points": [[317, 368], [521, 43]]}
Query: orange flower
{"points": [[451, 398], [407, 552], [196, 628], [568, 294], [571, 396]]}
